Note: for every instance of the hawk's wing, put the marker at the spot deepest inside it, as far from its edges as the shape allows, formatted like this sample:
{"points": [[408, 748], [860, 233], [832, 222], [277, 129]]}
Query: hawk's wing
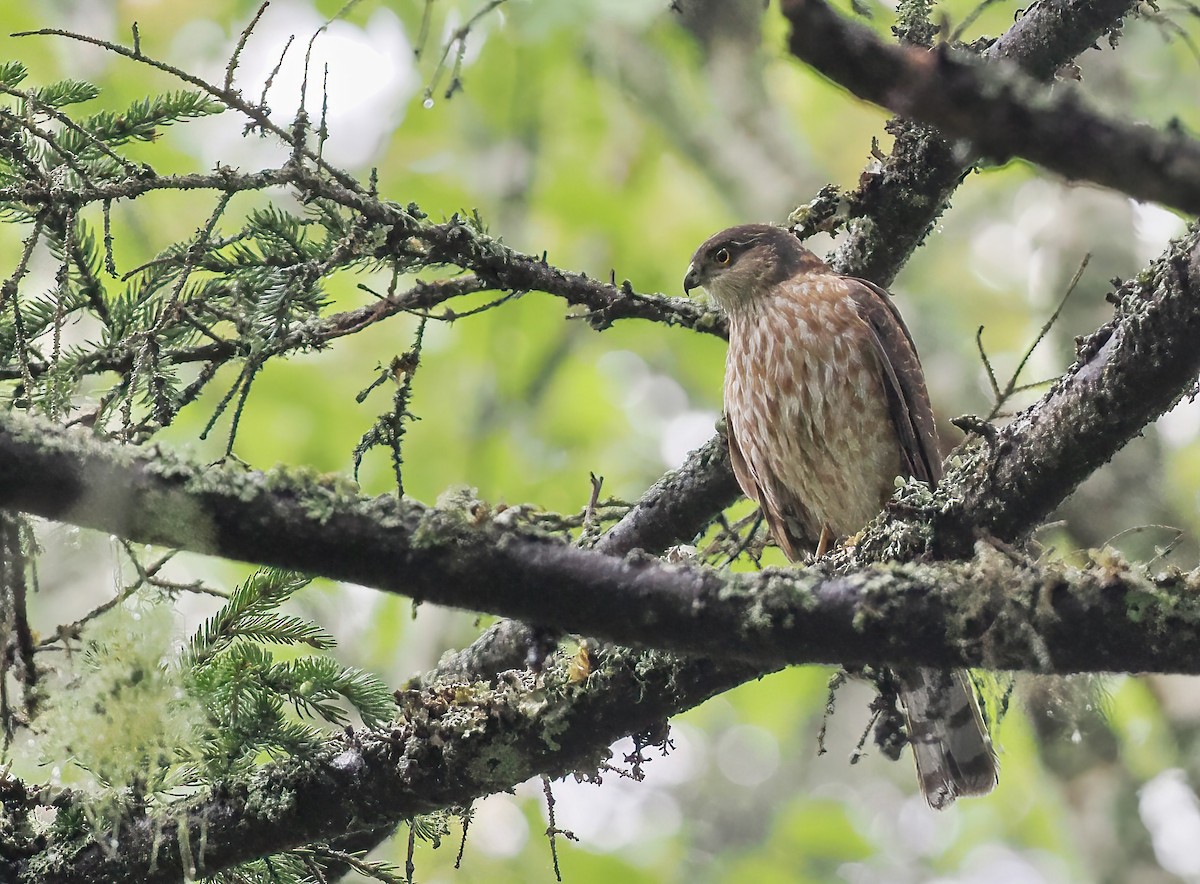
{"points": [[790, 523], [950, 741], [903, 380]]}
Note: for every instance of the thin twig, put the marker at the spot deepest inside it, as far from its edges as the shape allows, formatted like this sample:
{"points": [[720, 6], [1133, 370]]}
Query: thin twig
{"points": [[457, 39], [236, 55], [553, 831], [270, 81], [1002, 396]]}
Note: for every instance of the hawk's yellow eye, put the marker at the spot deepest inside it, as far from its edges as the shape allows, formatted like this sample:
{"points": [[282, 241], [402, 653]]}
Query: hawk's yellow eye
{"points": [[722, 257]]}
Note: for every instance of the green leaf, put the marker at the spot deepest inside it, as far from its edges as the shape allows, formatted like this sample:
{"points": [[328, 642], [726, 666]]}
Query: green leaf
{"points": [[62, 93], [250, 612], [12, 72], [312, 684], [140, 121]]}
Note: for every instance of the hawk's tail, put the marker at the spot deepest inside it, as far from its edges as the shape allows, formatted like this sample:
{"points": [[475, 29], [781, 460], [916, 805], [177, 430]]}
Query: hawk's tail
{"points": [[949, 739]]}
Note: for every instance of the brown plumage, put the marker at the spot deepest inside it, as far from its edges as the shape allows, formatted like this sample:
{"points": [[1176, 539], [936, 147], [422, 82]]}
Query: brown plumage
{"points": [[826, 405]]}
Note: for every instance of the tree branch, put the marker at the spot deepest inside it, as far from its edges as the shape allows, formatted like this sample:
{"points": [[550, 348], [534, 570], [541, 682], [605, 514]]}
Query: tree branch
{"points": [[894, 208], [452, 744], [412, 241], [1002, 111], [312, 335], [1128, 372], [678, 506]]}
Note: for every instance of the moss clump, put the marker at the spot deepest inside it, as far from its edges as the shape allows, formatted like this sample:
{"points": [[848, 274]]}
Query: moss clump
{"points": [[458, 509], [912, 23]]}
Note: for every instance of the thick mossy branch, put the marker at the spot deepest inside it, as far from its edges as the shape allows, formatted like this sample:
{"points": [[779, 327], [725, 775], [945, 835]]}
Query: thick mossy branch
{"points": [[1002, 111], [460, 553]]}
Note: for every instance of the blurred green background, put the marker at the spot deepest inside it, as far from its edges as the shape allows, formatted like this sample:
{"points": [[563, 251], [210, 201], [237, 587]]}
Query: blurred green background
{"points": [[615, 136]]}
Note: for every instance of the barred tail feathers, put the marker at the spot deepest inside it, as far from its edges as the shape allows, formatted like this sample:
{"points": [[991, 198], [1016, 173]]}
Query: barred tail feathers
{"points": [[950, 741]]}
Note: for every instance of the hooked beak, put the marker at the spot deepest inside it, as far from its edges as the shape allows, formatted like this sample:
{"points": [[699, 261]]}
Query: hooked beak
{"points": [[692, 280]]}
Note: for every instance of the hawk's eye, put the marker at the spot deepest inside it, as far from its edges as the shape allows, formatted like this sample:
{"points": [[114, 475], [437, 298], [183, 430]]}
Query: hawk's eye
{"points": [[722, 257]]}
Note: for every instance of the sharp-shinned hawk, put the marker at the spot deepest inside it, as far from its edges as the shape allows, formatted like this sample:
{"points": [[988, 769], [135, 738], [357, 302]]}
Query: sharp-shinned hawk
{"points": [[826, 405]]}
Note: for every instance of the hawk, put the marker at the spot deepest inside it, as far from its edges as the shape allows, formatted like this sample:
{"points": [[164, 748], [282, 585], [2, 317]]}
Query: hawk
{"points": [[826, 405]]}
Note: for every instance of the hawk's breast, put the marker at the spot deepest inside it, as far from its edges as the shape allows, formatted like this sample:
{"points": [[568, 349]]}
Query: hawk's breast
{"points": [[805, 399]]}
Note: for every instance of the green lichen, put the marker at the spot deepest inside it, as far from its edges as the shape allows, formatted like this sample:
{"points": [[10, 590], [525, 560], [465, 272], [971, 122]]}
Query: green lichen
{"points": [[320, 495], [710, 321], [1159, 604], [268, 799], [912, 23], [771, 601], [476, 729], [458, 509], [121, 726]]}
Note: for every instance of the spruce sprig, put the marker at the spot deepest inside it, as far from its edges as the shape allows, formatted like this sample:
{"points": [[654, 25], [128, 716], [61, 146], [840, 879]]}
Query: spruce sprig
{"points": [[246, 691]]}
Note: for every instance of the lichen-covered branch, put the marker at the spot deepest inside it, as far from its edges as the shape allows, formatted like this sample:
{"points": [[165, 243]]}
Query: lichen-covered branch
{"points": [[461, 553], [677, 506], [317, 333], [895, 206], [412, 241], [448, 746], [1003, 112], [1127, 373], [453, 743]]}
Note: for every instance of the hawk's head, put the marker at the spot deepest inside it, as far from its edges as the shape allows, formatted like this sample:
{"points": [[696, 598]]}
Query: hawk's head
{"points": [[739, 264]]}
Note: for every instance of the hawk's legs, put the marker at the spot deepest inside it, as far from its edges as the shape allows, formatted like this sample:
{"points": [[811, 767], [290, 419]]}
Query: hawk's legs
{"points": [[825, 542]]}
